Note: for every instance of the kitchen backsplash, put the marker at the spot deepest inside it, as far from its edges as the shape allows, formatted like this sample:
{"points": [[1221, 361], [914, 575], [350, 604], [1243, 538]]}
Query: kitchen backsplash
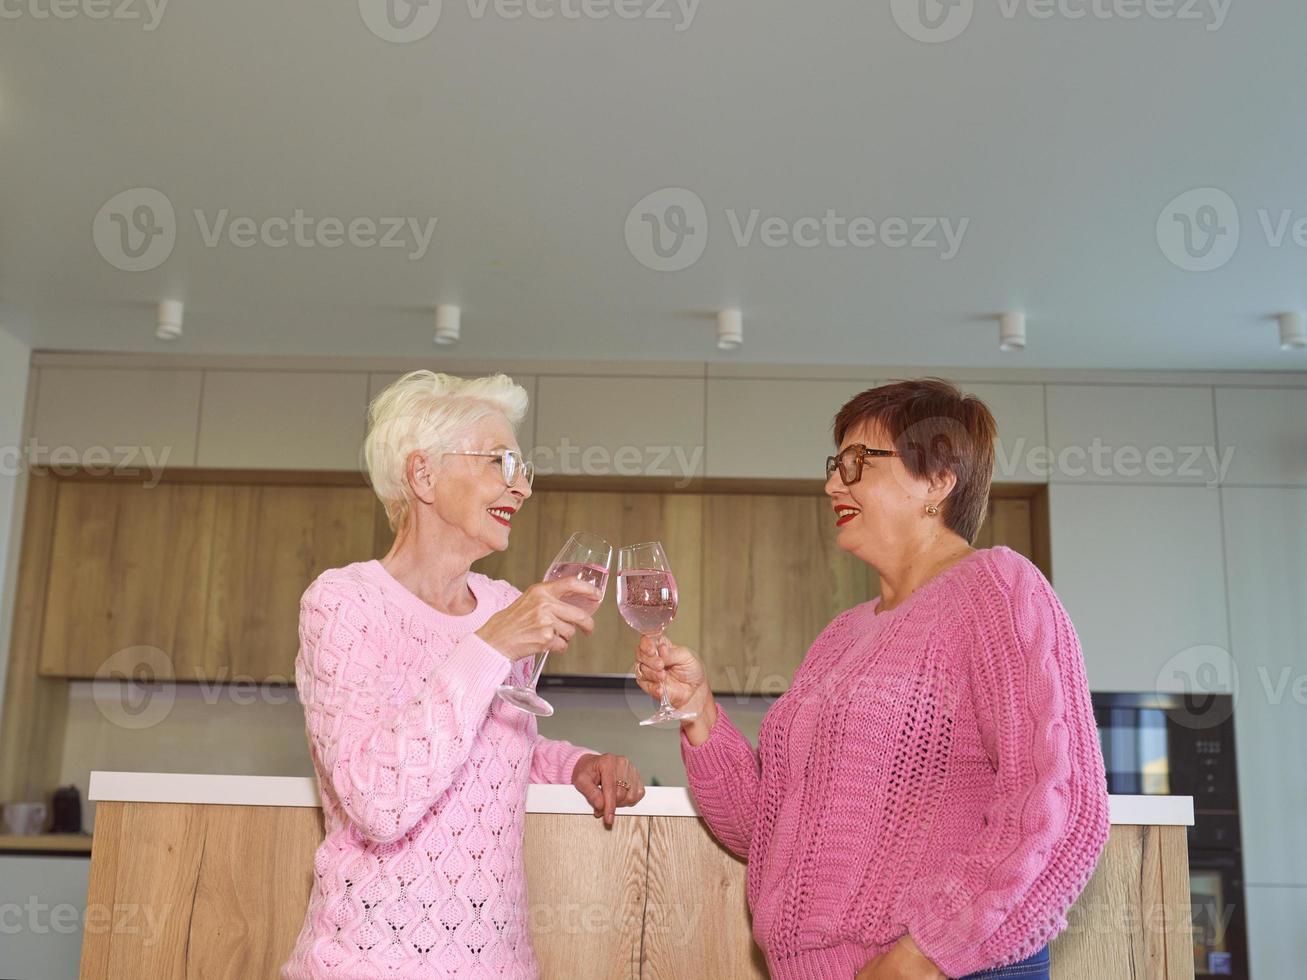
{"points": [[260, 731]]}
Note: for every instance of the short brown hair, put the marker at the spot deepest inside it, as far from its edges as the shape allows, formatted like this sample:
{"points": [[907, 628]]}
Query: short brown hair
{"points": [[936, 429]]}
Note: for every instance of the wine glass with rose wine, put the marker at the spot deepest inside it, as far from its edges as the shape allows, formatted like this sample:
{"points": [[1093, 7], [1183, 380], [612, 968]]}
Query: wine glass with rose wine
{"points": [[586, 558], [646, 598]]}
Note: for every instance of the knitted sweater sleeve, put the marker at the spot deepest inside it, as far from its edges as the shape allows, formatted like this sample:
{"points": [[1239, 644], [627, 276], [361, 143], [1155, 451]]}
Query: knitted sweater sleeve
{"points": [[724, 777], [552, 761], [1047, 823], [387, 742]]}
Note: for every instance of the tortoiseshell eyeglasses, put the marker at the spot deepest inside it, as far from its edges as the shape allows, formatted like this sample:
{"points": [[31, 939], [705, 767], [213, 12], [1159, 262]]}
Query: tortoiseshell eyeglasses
{"points": [[850, 462]]}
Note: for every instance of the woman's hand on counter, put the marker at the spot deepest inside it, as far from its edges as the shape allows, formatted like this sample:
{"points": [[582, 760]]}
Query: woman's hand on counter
{"points": [[659, 661], [608, 781], [904, 961], [540, 619]]}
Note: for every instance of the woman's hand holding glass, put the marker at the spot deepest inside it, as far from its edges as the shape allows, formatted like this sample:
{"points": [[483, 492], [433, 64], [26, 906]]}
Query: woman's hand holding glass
{"points": [[540, 619], [659, 661]]}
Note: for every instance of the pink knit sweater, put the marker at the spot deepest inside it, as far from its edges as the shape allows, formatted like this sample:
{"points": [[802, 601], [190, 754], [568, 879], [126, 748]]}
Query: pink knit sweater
{"points": [[933, 770], [423, 776]]}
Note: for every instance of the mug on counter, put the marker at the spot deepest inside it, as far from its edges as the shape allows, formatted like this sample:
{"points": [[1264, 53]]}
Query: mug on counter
{"points": [[24, 819]]}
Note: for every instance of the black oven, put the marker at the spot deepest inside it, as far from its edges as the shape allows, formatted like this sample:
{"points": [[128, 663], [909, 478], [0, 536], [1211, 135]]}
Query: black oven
{"points": [[1183, 745]]}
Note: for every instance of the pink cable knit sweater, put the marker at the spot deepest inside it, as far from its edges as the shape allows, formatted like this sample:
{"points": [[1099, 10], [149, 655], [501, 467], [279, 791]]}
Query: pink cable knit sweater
{"points": [[423, 777], [933, 770]]}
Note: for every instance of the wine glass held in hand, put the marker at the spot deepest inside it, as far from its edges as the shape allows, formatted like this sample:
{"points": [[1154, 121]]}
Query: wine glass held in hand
{"points": [[646, 598], [586, 558]]}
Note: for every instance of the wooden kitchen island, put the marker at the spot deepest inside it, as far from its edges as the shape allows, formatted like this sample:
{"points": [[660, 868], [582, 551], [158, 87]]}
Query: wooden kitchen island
{"points": [[208, 876]]}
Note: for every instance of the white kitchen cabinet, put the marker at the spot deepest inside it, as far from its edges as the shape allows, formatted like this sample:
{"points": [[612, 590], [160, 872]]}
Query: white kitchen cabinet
{"points": [[283, 420], [773, 428], [597, 426], [1277, 942], [1018, 410], [43, 900], [1266, 428], [110, 417], [782, 428], [1140, 571], [1132, 434], [1266, 543], [525, 430]]}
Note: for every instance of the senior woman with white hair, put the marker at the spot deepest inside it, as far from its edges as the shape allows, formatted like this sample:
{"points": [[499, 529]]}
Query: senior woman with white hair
{"points": [[422, 770]]}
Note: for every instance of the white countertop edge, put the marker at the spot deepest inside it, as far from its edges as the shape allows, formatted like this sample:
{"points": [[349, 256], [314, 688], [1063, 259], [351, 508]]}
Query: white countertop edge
{"points": [[1152, 810], [659, 801]]}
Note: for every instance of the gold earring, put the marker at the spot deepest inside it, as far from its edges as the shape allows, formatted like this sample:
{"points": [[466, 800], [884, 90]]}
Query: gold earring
{"points": [[932, 510]]}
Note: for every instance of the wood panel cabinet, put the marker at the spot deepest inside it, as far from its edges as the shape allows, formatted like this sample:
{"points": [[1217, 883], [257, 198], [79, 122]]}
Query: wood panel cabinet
{"points": [[129, 567], [211, 572], [269, 543], [773, 579]]}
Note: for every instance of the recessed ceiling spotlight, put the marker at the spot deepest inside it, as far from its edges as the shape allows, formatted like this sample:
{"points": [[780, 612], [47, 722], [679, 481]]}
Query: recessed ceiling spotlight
{"points": [[1012, 331], [730, 329], [1293, 336], [448, 320], [169, 326]]}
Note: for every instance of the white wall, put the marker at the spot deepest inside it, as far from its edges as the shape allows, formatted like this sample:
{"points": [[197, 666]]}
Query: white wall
{"points": [[14, 369]]}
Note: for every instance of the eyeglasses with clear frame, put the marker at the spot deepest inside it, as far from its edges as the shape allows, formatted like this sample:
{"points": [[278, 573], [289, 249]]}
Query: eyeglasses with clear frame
{"points": [[511, 463], [850, 460]]}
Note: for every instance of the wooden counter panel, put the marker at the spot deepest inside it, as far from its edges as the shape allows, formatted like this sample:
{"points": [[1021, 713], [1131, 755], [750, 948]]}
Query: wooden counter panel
{"points": [[184, 890], [587, 894], [1132, 920], [697, 920], [180, 891]]}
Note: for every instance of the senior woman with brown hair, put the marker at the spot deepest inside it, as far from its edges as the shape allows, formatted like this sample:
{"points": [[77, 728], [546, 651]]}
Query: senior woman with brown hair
{"points": [[422, 771], [927, 799]]}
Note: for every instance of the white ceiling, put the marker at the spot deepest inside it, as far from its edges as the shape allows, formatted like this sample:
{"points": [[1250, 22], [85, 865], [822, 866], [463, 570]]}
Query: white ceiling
{"points": [[1060, 140]]}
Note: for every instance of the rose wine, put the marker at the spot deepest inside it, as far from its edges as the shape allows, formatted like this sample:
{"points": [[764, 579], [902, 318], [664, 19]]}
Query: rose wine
{"points": [[596, 575], [646, 598]]}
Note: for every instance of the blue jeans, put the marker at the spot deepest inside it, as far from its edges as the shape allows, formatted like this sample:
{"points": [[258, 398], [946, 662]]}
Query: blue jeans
{"points": [[1035, 968]]}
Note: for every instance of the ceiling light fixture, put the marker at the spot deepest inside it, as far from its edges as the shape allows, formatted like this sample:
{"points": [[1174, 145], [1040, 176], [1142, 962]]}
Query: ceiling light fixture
{"points": [[1293, 335], [448, 320], [169, 326], [1012, 331], [730, 329]]}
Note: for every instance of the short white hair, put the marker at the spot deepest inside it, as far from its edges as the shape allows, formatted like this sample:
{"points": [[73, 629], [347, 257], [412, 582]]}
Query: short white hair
{"points": [[429, 412]]}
